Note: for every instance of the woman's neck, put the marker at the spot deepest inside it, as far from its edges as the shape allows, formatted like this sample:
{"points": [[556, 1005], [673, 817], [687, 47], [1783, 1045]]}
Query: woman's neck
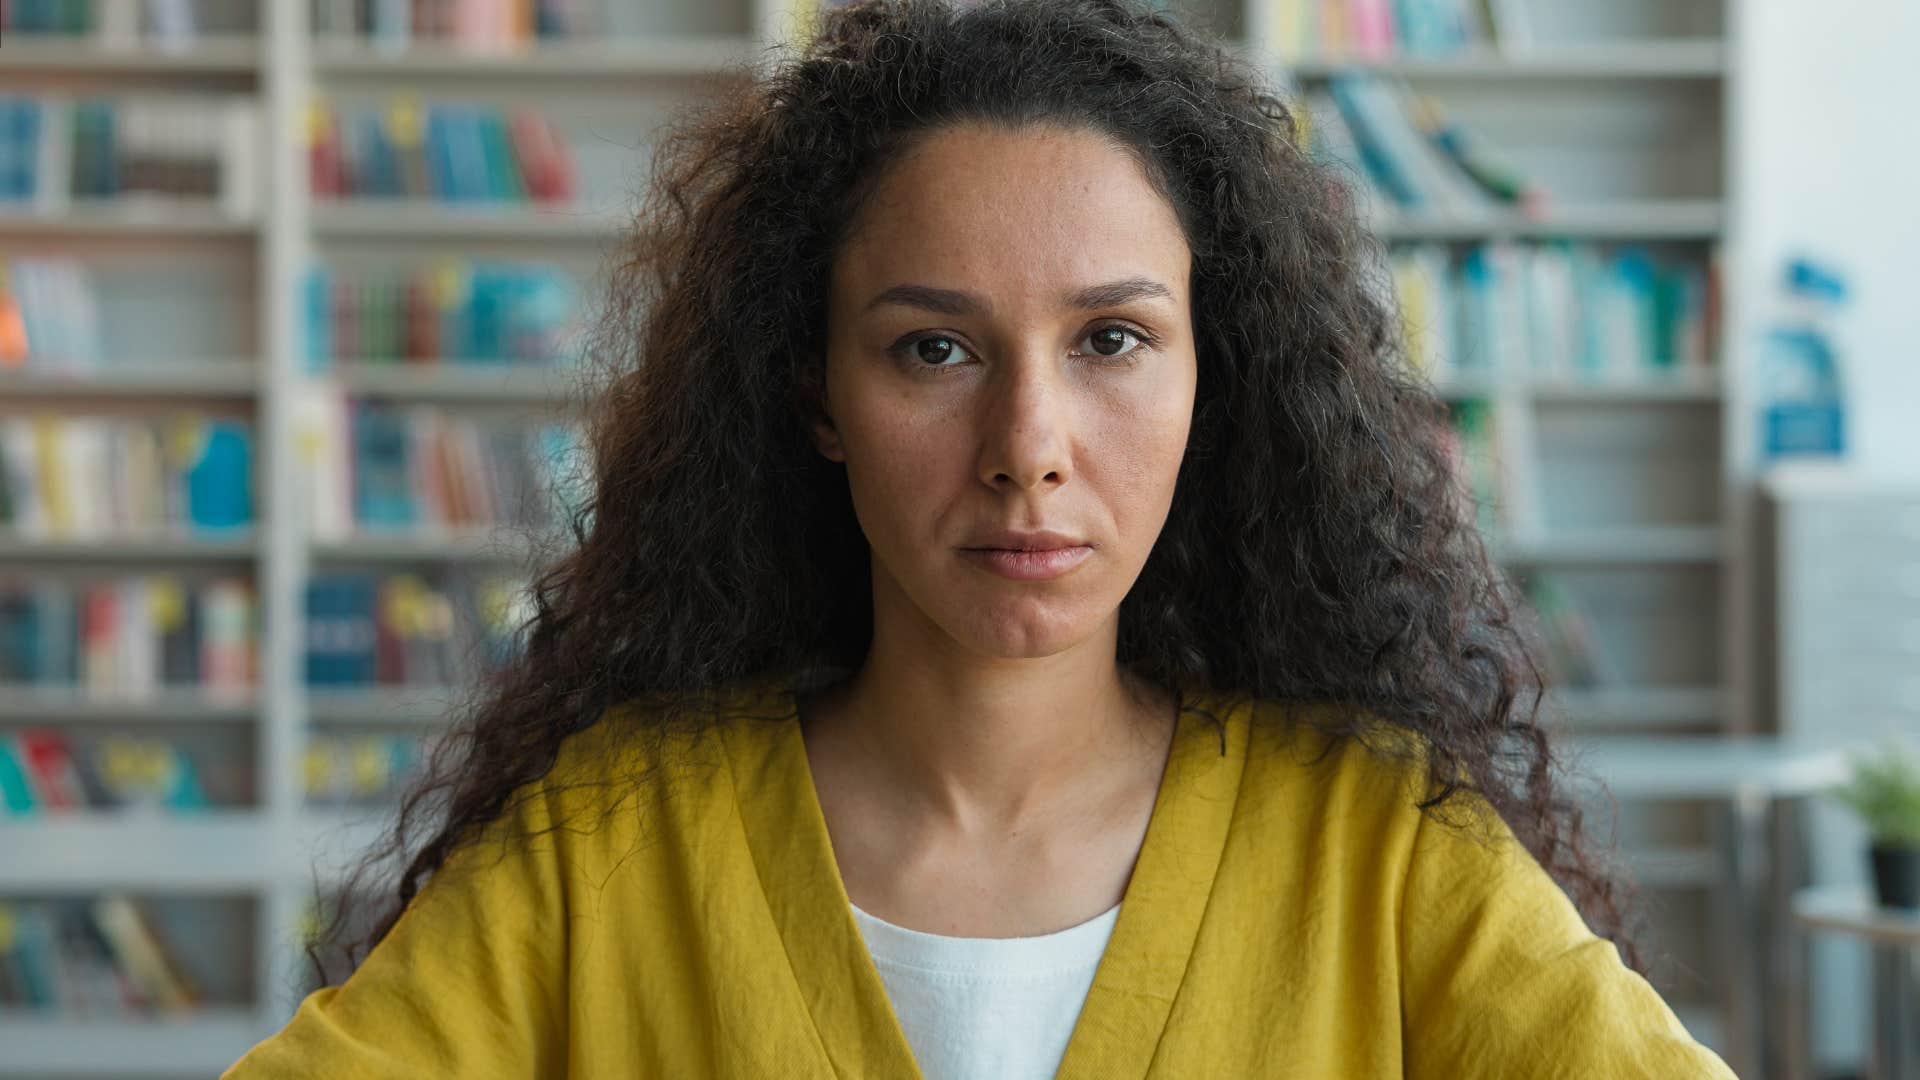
{"points": [[955, 812], [985, 753]]}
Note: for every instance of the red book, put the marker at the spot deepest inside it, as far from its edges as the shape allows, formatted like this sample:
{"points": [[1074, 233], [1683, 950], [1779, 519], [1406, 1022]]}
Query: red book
{"points": [[49, 765], [99, 625], [323, 152], [423, 324]]}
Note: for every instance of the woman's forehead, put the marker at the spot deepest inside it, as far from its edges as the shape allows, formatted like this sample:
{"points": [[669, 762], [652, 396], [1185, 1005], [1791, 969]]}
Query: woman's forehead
{"points": [[1029, 209]]}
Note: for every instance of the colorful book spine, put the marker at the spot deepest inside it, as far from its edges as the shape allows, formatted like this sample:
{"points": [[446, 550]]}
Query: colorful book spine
{"points": [[444, 151], [130, 635], [185, 473]]}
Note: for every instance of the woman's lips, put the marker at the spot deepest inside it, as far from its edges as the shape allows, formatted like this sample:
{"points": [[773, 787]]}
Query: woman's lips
{"points": [[1027, 565]]}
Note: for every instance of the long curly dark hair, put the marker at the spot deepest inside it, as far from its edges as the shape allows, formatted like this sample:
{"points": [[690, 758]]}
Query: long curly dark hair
{"points": [[1319, 547]]}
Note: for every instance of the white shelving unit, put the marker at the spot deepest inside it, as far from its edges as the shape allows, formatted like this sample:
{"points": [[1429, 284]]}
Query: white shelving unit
{"points": [[1638, 65], [1628, 112]]}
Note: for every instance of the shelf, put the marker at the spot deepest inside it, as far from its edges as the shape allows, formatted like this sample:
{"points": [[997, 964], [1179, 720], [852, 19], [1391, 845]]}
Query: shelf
{"points": [[239, 545], [400, 705], [654, 57], [209, 55], [1639, 545], [56, 705], [1679, 59], [236, 378], [1708, 767], [1640, 706], [212, 851], [509, 383], [1651, 219], [1856, 912], [208, 851], [1681, 387], [485, 545], [132, 216], [202, 1043], [400, 218], [1690, 386]]}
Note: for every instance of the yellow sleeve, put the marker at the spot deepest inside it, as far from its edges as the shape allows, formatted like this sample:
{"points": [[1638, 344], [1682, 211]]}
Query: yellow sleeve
{"points": [[1502, 977], [470, 981]]}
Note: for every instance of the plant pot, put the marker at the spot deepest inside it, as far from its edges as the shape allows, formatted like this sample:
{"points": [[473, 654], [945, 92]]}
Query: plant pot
{"points": [[1896, 875]]}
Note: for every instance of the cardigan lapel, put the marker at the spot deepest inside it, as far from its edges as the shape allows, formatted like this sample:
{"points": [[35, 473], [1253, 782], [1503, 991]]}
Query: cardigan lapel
{"points": [[1146, 956], [793, 852]]}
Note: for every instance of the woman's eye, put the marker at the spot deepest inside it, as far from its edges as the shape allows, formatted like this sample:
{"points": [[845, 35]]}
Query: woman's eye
{"points": [[933, 350], [1111, 340]]}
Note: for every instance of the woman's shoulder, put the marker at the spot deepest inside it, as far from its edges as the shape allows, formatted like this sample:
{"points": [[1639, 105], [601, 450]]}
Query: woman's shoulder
{"points": [[662, 756], [1313, 759]]}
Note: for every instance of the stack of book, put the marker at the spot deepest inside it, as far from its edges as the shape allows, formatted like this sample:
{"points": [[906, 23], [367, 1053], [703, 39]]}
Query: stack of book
{"points": [[445, 151], [44, 770], [355, 770], [199, 148], [49, 315], [1380, 29], [100, 477], [103, 957], [113, 23], [130, 636], [375, 466], [365, 629], [459, 311], [477, 25], [1410, 152], [1556, 311]]}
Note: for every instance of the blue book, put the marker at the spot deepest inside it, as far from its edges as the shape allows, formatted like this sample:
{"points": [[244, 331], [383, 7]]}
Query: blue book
{"points": [[383, 483], [482, 183], [1375, 154], [58, 659], [219, 483], [358, 597], [484, 315], [378, 177], [12, 148], [32, 123], [322, 662], [317, 296], [33, 948], [439, 154], [16, 791]]}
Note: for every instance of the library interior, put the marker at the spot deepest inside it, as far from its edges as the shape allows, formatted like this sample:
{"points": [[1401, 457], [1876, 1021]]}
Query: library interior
{"points": [[328, 274]]}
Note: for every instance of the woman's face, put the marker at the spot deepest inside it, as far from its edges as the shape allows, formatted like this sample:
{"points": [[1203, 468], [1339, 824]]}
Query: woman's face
{"points": [[1009, 347]]}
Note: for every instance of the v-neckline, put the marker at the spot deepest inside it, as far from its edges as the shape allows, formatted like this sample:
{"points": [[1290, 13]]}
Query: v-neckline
{"points": [[1140, 972]]}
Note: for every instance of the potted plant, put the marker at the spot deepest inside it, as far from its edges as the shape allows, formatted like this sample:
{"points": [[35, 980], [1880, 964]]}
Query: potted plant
{"points": [[1884, 790]]}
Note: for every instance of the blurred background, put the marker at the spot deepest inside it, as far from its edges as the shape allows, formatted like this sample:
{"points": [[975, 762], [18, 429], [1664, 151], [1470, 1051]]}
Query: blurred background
{"points": [[292, 303]]}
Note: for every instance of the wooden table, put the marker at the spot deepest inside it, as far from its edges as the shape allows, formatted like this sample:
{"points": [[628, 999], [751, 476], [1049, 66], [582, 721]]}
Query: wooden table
{"points": [[1893, 934], [1758, 784]]}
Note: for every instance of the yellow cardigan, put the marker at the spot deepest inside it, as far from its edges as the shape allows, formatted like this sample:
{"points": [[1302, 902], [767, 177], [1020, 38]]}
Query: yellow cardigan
{"points": [[681, 915]]}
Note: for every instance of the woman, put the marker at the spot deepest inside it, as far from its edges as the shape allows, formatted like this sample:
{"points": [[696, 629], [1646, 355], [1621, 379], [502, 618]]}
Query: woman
{"points": [[1025, 626]]}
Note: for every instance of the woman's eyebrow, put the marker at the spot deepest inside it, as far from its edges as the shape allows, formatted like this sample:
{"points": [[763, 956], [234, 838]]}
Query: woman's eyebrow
{"points": [[956, 302]]}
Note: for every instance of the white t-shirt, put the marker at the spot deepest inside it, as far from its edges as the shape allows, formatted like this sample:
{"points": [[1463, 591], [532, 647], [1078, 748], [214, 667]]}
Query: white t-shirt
{"points": [[987, 1008]]}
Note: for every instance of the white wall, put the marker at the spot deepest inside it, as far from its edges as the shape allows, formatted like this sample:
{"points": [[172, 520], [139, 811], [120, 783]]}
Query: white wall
{"points": [[1828, 162], [1829, 152]]}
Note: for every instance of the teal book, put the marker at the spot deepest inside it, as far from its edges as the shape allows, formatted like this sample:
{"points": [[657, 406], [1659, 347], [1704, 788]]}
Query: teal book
{"points": [[220, 482], [16, 793]]}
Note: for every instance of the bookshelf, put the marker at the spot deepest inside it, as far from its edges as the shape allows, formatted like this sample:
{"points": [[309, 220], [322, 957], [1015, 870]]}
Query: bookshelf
{"points": [[1654, 87]]}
